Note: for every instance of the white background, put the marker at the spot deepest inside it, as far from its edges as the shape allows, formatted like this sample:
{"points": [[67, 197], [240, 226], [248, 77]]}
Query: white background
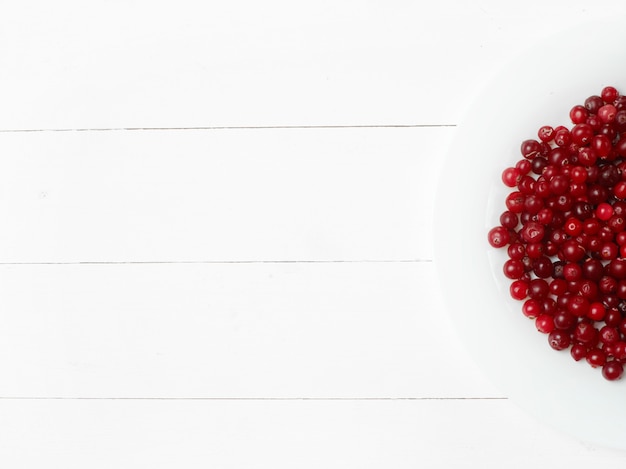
{"points": [[216, 239]]}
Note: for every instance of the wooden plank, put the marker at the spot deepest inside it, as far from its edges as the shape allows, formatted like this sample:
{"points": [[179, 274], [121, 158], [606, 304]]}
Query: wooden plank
{"points": [[278, 434], [145, 63], [229, 330], [234, 195], [142, 63]]}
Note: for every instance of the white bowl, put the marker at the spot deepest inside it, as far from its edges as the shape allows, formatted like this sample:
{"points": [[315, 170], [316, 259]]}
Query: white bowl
{"points": [[537, 87]]}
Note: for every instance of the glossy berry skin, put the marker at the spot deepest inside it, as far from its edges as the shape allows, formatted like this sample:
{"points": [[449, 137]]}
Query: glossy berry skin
{"points": [[609, 94], [499, 237], [596, 357], [612, 370], [513, 269], [578, 114], [607, 113], [578, 352], [559, 340], [593, 103], [511, 176], [519, 289], [546, 133], [544, 323], [564, 230]]}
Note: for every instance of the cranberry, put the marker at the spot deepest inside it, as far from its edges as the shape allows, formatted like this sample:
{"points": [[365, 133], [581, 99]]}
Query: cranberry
{"points": [[509, 220], [604, 211], [607, 113], [596, 311], [523, 166], [578, 305], [538, 289], [609, 335], [578, 351], [562, 137], [564, 229], [499, 237], [582, 133], [613, 317], [612, 370], [585, 332], [516, 251], [514, 269], [511, 176], [558, 287], [515, 202], [531, 308], [617, 268], [564, 320], [519, 289], [601, 144], [559, 340], [593, 103], [619, 190], [530, 149], [596, 357], [620, 146], [572, 251], [545, 133], [542, 267], [619, 351], [592, 269], [609, 94], [578, 114], [544, 323], [532, 232]]}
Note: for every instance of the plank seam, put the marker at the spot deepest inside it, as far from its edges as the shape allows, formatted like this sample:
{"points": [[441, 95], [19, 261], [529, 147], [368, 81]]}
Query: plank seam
{"points": [[363, 261], [243, 127], [65, 398]]}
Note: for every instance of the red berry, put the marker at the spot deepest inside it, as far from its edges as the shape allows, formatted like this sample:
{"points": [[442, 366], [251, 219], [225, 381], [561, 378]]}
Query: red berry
{"points": [[596, 311], [545, 133], [519, 289], [544, 323], [578, 114], [578, 352], [593, 103], [499, 237], [530, 149], [609, 335], [619, 190], [609, 94], [582, 133], [559, 340], [564, 228], [511, 176], [514, 269], [596, 357], [607, 113], [612, 370]]}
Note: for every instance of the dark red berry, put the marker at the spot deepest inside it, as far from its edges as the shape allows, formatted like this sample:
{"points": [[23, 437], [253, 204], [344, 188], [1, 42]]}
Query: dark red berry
{"points": [[612, 370], [564, 229], [596, 357], [559, 340]]}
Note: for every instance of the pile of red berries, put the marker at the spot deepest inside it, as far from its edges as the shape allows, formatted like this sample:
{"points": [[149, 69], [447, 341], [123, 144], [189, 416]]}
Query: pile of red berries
{"points": [[564, 229]]}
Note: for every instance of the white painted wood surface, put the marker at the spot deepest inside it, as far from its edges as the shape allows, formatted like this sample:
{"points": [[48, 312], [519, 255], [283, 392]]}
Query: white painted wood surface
{"points": [[216, 247]]}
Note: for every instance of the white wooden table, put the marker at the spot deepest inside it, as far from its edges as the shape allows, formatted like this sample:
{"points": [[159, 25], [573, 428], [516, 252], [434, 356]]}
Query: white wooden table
{"points": [[216, 243]]}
